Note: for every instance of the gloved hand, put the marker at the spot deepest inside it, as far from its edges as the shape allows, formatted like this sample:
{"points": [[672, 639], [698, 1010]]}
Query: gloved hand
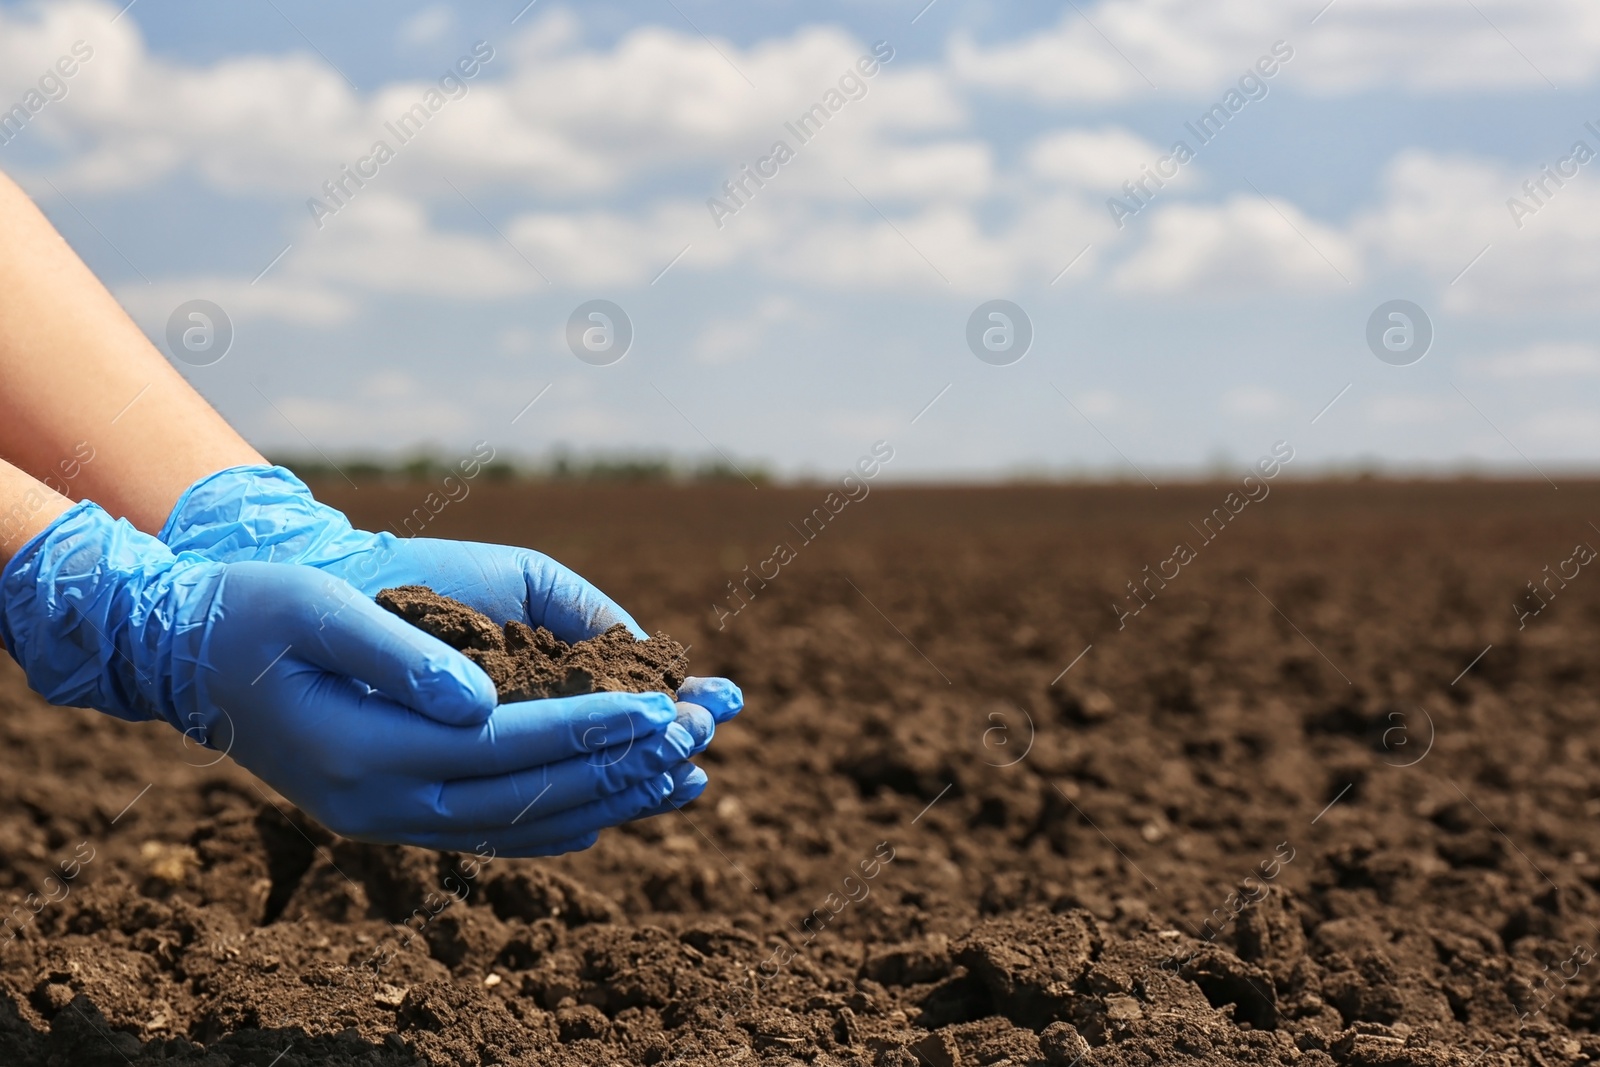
{"points": [[378, 730], [266, 513]]}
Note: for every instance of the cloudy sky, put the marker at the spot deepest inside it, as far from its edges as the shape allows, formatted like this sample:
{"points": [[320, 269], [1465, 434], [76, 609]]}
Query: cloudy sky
{"points": [[1356, 153]]}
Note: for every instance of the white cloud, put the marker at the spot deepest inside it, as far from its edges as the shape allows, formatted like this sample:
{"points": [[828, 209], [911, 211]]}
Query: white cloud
{"points": [[1547, 359], [392, 407], [1411, 409], [31, 43], [1253, 401], [545, 114], [1121, 49], [1069, 64], [1236, 249], [1504, 44], [247, 122], [728, 340], [1099, 403], [938, 246], [1098, 159], [854, 427], [554, 118], [961, 170], [381, 403], [1448, 217], [387, 243], [842, 246], [1438, 211], [608, 247], [613, 429], [309, 304], [1566, 428], [515, 341]]}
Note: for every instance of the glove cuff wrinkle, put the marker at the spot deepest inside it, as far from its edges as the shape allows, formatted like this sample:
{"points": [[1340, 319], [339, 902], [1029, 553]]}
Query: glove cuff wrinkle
{"points": [[88, 610], [256, 513], [201, 497]]}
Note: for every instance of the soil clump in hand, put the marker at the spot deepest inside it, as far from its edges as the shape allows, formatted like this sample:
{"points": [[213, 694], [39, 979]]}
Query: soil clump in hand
{"points": [[526, 663]]}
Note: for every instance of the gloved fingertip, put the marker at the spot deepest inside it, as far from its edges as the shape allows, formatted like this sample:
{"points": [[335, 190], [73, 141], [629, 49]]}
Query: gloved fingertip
{"points": [[688, 782], [698, 721], [717, 695]]}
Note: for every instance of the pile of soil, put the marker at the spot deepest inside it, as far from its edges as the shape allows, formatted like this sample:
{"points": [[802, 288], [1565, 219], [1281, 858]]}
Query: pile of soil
{"points": [[527, 663], [1329, 798]]}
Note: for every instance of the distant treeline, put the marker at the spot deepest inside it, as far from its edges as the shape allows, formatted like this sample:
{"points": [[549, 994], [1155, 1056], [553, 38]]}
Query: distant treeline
{"points": [[560, 467], [640, 468]]}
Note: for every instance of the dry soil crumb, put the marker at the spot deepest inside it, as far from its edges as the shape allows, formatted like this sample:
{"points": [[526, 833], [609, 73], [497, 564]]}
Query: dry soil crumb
{"points": [[530, 664]]}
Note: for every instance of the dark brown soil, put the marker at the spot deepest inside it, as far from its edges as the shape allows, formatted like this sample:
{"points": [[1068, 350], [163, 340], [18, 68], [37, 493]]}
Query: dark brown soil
{"points": [[1328, 798], [531, 664]]}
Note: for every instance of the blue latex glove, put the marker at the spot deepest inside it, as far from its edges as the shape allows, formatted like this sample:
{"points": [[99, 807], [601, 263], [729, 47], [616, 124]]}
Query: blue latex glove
{"points": [[267, 514], [378, 730]]}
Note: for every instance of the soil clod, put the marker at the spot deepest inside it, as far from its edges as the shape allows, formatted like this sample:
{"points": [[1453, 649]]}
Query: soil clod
{"points": [[532, 664]]}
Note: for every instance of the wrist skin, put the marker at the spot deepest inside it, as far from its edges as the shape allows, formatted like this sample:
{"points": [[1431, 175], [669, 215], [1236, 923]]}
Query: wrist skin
{"points": [[27, 508]]}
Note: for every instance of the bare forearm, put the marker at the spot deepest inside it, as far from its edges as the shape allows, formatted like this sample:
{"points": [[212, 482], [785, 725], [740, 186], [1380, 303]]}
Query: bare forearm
{"points": [[26, 508], [78, 377]]}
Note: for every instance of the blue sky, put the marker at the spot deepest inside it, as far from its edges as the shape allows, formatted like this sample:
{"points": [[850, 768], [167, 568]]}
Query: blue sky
{"points": [[1375, 164]]}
